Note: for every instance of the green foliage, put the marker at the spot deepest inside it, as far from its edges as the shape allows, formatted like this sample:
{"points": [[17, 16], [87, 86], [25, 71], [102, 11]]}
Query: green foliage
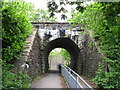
{"points": [[108, 79], [91, 45], [15, 28], [53, 54], [104, 20], [0, 74], [42, 15], [55, 6], [18, 80], [65, 56]]}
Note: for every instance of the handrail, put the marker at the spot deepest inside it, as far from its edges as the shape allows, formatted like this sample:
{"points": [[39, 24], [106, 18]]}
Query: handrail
{"points": [[71, 72], [79, 77], [72, 77]]}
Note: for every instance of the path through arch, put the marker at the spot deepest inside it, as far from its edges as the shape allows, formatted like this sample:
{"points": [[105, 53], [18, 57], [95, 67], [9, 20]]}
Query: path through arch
{"points": [[70, 46]]}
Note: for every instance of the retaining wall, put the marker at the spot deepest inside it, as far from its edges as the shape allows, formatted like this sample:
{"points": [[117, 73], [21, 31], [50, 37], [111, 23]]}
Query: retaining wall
{"points": [[30, 59]]}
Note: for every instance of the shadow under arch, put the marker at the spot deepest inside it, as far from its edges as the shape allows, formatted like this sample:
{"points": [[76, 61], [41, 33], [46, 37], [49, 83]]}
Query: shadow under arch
{"points": [[70, 46]]}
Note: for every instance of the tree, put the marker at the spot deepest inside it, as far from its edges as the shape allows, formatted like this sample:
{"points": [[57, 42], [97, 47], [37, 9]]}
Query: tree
{"points": [[103, 19], [42, 15], [55, 7], [65, 56], [16, 26], [53, 54]]}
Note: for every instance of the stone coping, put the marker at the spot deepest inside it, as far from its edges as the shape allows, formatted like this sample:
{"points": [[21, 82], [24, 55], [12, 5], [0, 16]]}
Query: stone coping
{"points": [[29, 43]]}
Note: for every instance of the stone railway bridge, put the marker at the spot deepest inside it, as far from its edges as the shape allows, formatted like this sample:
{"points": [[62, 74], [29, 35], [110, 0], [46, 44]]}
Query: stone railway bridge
{"points": [[47, 36]]}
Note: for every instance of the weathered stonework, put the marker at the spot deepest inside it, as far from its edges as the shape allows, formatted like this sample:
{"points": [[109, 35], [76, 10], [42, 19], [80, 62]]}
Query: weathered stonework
{"points": [[84, 53], [30, 61], [91, 56]]}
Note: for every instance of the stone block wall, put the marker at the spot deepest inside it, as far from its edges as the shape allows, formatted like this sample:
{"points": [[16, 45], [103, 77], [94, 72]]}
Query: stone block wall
{"points": [[90, 54], [30, 60]]}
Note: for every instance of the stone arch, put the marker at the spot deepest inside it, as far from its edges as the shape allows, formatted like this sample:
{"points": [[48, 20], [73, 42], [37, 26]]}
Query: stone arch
{"points": [[70, 46]]}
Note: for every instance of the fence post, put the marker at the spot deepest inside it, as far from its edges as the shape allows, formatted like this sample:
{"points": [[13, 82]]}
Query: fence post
{"points": [[77, 83], [69, 76]]}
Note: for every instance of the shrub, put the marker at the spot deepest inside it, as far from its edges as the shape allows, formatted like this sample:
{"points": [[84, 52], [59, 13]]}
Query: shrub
{"points": [[18, 80], [103, 19], [16, 27]]}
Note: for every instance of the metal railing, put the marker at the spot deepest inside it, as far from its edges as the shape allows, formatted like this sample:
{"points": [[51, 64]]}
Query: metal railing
{"points": [[73, 80]]}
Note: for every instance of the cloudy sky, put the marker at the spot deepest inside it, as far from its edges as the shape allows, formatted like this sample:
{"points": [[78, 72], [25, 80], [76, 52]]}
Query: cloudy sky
{"points": [[43, 5], [39, 3]]}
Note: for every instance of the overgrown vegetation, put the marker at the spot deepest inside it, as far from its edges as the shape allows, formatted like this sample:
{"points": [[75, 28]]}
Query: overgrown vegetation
{"points": [[15, 28], [18, 80], [41, 15], [57, 6], [104, 20], [53, 55], [65, 56], [64, 53]]}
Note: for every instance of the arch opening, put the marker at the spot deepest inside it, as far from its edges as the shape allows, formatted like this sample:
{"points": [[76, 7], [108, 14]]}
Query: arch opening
{"points": [[68, 45], [58, 56]]}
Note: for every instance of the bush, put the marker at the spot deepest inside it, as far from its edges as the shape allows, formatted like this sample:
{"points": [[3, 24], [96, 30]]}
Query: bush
{"points": [[18, 80], [103, 20], [16, 27], [65, 56]]}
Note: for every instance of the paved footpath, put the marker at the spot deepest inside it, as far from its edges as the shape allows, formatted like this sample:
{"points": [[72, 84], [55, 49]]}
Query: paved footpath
{"points": [[49, 80]]}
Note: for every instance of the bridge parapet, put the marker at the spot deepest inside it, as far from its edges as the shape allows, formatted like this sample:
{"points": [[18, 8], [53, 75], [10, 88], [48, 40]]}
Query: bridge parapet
{"points": [[55, 25], [53, 30], [84, 52]]}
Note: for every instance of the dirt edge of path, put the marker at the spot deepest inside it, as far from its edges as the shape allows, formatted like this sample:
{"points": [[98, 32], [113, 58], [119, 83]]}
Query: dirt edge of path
{"points": [[63, 83]]}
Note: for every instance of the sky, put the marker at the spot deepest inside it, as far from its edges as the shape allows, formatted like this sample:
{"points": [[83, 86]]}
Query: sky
{"points": [[39, 3], [42, 4]]}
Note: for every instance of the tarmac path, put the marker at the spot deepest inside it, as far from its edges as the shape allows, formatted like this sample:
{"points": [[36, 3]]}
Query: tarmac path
{"points": [[52, 79], [49, 80]]}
